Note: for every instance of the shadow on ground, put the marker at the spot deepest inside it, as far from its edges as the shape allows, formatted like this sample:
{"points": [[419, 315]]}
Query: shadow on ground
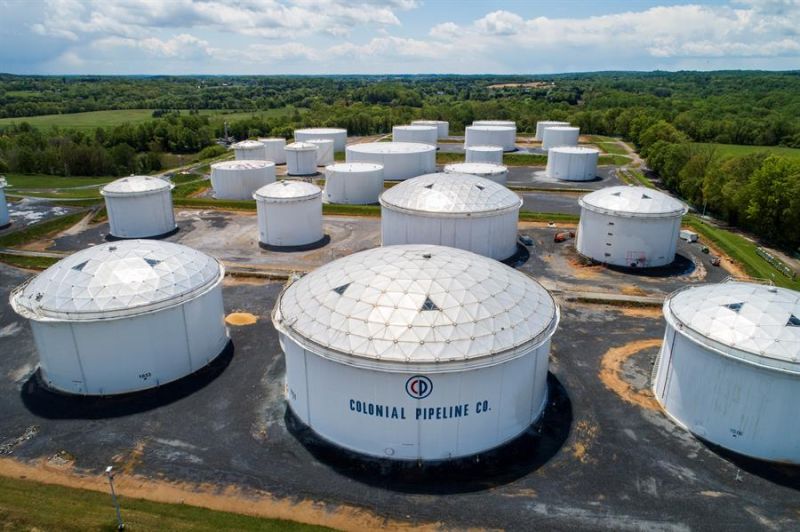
{"points": [[679, 267]]}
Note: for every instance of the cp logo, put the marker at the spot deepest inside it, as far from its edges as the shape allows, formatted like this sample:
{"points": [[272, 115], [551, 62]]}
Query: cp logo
{"points": [[419, 387]]}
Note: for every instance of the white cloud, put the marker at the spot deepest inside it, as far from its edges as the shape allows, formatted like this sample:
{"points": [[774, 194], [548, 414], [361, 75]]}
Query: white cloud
{"points": [[183, 46], [500, 23]]}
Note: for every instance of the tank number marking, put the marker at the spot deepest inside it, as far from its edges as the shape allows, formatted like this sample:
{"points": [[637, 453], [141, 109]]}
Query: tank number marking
{"points": [[145, 376], [736, 433]]}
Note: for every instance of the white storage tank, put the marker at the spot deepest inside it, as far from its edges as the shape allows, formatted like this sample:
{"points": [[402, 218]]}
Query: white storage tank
{"points": [[421, 134], [457, 210], [493, 172], [729, 368], [416, 352], [125, 316], [274, 147], [5, 219], [503, 123], [324, 151], [239, 179], [139, 206], [301, 158], [553, 137], [353, 183], [572, 163], [541, 125], [250, 150], [400, 160], [442, 126], [504, 136], [634, 227], [337, 135], [484, 154], [289, 214]]}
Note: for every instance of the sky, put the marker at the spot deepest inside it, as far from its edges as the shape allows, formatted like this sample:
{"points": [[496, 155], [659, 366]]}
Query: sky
{"points": [[394, 36]]}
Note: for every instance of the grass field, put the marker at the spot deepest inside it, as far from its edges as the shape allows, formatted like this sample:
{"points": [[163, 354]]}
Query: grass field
{"points": [[51, 181], [95, 119], [738, 149], [26, 505]]}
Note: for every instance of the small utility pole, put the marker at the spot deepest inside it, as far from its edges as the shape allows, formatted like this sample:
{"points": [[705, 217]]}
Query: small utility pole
{"points": [[110, 474]]}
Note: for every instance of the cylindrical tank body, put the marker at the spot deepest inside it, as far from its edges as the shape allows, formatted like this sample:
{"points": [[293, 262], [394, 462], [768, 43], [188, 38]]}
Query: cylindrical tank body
{"points": [[729, 367], [400, 160], [353, 183], [633, 227], [442, 126], [239, 179], [289, 213], [301, 158], [553, 137], [572, 163], [139, 206], [324, 151], [337, 135], [504, 136], [457, 210], [125, 316], [250, 150], [5, 219], [484, 154], [543, 124], [385, 359], [493, 172], [420, 134], [274, 147]]}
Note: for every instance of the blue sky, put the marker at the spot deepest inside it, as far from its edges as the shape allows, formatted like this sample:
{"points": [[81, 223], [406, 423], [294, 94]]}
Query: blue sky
{"points": [[394, 36]]}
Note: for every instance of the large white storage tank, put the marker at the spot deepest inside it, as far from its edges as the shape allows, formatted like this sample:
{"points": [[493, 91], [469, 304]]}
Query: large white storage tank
{"points": [[502, 123], [493, 172], [274, 147], [301, 158], [544, 124], [5, 219], [239, 179], [289, 214], [353, 183], [729, 368], [139, 206], [400, 160], [442, 126], [337, 135], [421, 134], [416, 352], [457, 210], [250, 150], [324, 151], [633, 227], [484, 154], [482, 135], [554, 137], [125, 316], [572, 163]]}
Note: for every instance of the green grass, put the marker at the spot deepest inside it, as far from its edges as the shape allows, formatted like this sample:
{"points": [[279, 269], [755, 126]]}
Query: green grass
{"points": [[233, 205], [611, 148], [41, 229], [741, 250], [739, 150], [51, 181], [524, 159], [189, 189], [529, 216], [634, 177], [615, 160], [27, 505], [30, 263]]}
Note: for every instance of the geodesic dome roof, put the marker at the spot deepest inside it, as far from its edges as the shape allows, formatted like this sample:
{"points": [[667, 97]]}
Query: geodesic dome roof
{"points": [[450, 194], [301, 146], [478, 169], [287, 190], [752, 322], [136, 185], [632, 201], [248, 145], [391, 147], [251, 164], [353, 168], [417, 304], [118, 279]]}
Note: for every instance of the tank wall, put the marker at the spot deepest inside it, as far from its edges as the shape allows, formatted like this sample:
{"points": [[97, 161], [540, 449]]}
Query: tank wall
{"points": [[628, 242], [126, 355], [505, 138], [240, 184], [140, 216], [275, 152], [743, 408], [4, 217], [359, 188], [339, 138], [491, 236], [398, 166], [301, 162], [491, 157], [294, 223], [571, 166], [422, 136], [442, 126], [324, 153], [553, 138], [372, 413], [540, 126], [252, 154]]}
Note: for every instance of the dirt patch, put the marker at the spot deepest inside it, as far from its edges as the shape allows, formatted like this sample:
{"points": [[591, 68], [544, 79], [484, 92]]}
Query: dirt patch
{"points": [[526, 493], [611, 373], [222, 498], [585, 434], [632, 290], [557, 225], [582, 270], [642, 312], [240, 318], [726, 263]]}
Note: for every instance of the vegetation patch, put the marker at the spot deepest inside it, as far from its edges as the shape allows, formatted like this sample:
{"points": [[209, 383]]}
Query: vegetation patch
{"points": [[29, 263], [41, 229]]}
